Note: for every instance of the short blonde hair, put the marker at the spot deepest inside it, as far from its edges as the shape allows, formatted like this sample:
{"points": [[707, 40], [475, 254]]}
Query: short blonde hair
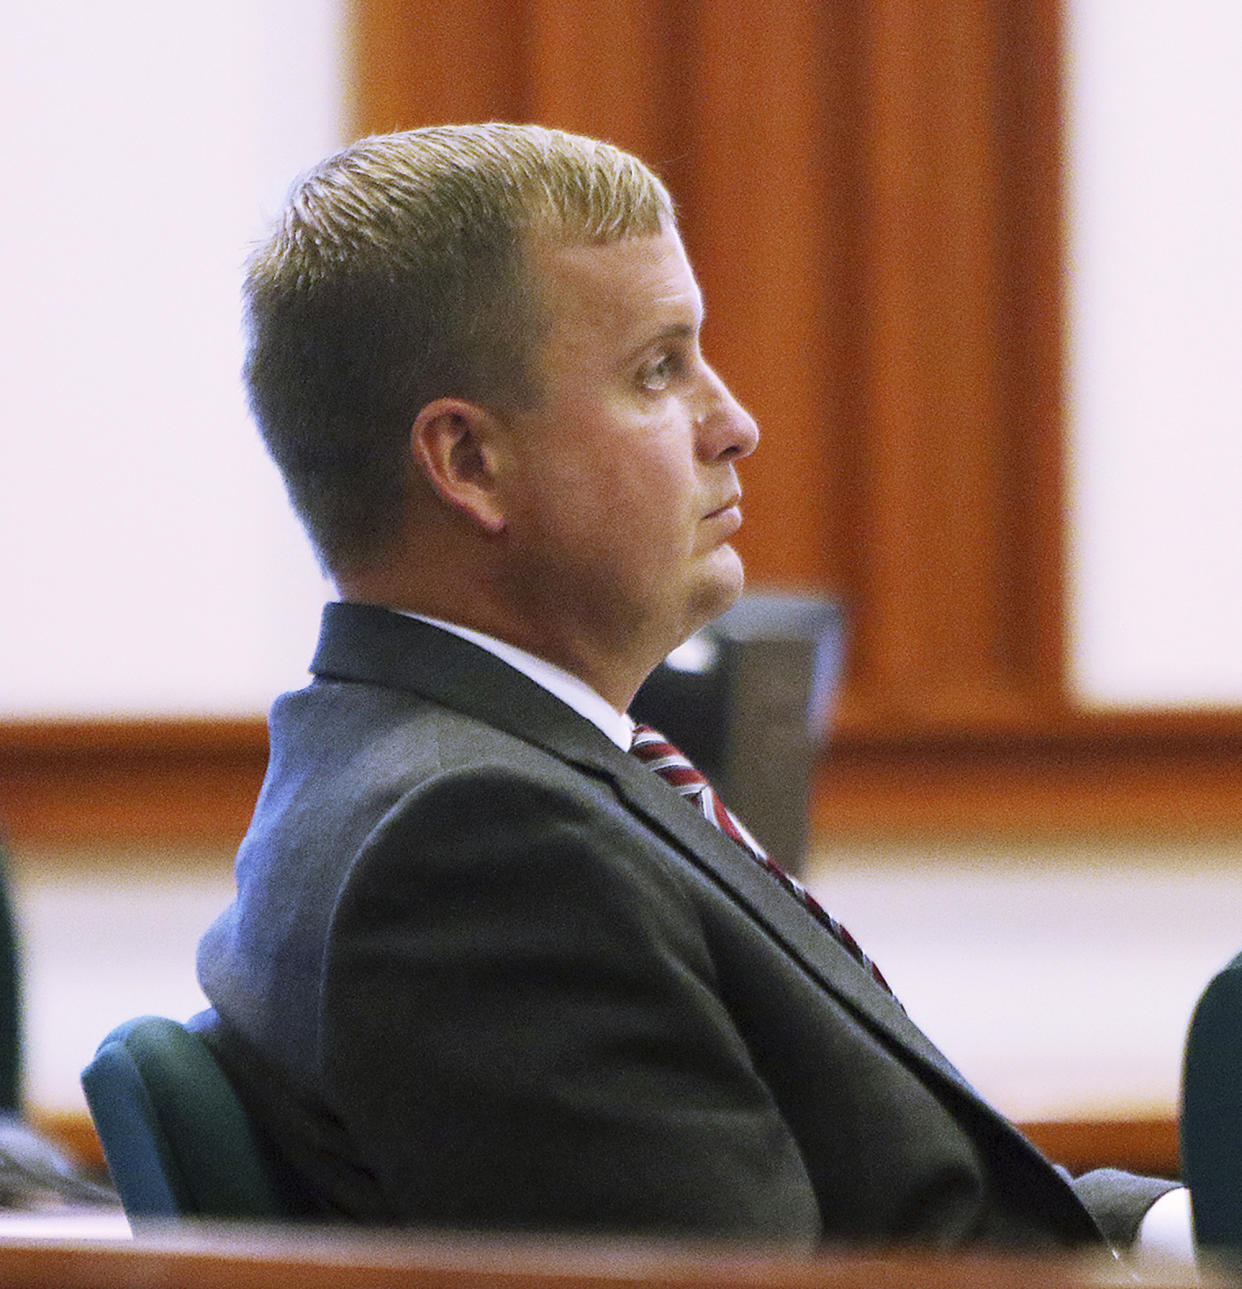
{"points": [[397, 274]]}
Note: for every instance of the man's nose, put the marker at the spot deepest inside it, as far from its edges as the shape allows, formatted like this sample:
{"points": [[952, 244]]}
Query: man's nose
{"points": [[726, 428]]}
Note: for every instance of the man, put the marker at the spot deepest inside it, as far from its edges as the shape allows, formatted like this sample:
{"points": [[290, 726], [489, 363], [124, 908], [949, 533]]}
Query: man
{"points": [[485, 969]]}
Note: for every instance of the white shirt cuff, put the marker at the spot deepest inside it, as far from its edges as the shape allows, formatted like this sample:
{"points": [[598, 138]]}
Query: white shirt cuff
{"points": [[1166, 1233]]}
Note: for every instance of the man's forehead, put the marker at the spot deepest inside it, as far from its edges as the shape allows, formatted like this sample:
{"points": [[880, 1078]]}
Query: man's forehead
{"points": [[646, 272]]}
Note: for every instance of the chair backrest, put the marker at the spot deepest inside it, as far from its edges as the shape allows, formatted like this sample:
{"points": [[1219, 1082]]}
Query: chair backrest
{"points": [[1211, 1114], [177, 1139]]}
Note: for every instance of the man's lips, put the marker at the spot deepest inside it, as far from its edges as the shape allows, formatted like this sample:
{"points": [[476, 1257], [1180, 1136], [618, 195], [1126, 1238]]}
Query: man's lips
{"points": [[731, 503], [728, 515]]}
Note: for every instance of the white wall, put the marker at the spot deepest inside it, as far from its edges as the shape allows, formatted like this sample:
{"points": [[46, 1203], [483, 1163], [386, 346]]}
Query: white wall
{"points": [[1156, 348], [146, 557]]}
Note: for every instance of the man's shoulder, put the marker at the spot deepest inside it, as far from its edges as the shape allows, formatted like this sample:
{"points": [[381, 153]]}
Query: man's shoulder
{"points": [[357, 769], [375, 732]]}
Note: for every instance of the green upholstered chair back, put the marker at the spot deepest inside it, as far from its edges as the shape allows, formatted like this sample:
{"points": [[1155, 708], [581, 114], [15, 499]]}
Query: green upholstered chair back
{"points": [[177, 1139]]}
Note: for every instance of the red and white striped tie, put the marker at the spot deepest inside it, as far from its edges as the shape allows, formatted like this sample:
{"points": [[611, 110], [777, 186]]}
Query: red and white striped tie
{"points": [[658, 754]]}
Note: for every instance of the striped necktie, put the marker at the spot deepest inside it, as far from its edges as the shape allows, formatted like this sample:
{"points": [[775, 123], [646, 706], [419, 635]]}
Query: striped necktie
{"points": [[658, 754]]}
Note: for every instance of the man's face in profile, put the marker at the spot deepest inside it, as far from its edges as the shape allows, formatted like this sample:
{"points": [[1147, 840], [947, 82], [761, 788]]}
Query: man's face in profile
{"points": [[627, 495]]}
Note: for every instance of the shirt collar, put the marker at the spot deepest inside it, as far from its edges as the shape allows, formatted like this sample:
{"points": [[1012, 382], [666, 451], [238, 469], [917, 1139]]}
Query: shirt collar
{"points": [[564, 685]]}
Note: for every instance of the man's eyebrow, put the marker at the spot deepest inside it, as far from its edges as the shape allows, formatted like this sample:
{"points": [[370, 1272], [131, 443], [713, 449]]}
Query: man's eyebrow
{"points": [[677, 331]]}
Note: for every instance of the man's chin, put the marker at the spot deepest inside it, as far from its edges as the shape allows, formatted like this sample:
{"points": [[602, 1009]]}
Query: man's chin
{"points": [[720, 590], [733, 576]]}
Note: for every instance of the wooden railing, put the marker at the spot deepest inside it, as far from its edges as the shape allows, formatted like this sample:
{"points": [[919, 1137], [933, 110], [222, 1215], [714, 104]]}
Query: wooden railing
{"points": [[193, 781], [276, 1259]]}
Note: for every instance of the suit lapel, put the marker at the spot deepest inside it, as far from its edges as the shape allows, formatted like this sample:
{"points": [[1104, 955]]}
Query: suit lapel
{"points": [[377, 646], [778, 912]]}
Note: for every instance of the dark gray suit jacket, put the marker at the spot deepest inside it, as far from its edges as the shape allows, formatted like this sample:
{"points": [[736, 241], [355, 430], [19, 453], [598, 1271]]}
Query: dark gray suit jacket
{"points": [[485, 970]]}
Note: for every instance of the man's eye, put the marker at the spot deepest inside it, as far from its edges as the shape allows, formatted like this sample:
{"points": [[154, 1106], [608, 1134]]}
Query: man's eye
{"points": [[660, 374]]}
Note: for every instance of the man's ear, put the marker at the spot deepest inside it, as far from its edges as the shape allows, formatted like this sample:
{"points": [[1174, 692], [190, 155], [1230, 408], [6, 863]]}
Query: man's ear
{"points": [[456, 444]]}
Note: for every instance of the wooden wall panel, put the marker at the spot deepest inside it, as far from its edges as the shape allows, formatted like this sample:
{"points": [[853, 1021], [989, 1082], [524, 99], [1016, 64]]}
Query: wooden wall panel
{"points": [[420, 64], [181, 782], [191, 782], [946, 613], [758, 228], [611, 71]]}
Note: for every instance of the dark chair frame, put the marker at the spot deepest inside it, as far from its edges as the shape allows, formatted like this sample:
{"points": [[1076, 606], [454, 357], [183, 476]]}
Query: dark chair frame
{"points": [[1211, 1115]]}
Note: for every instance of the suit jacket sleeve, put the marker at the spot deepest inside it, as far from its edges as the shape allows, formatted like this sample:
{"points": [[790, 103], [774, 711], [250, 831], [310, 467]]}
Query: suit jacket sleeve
{"points": [[1119, 1201], [555, 1053]]}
